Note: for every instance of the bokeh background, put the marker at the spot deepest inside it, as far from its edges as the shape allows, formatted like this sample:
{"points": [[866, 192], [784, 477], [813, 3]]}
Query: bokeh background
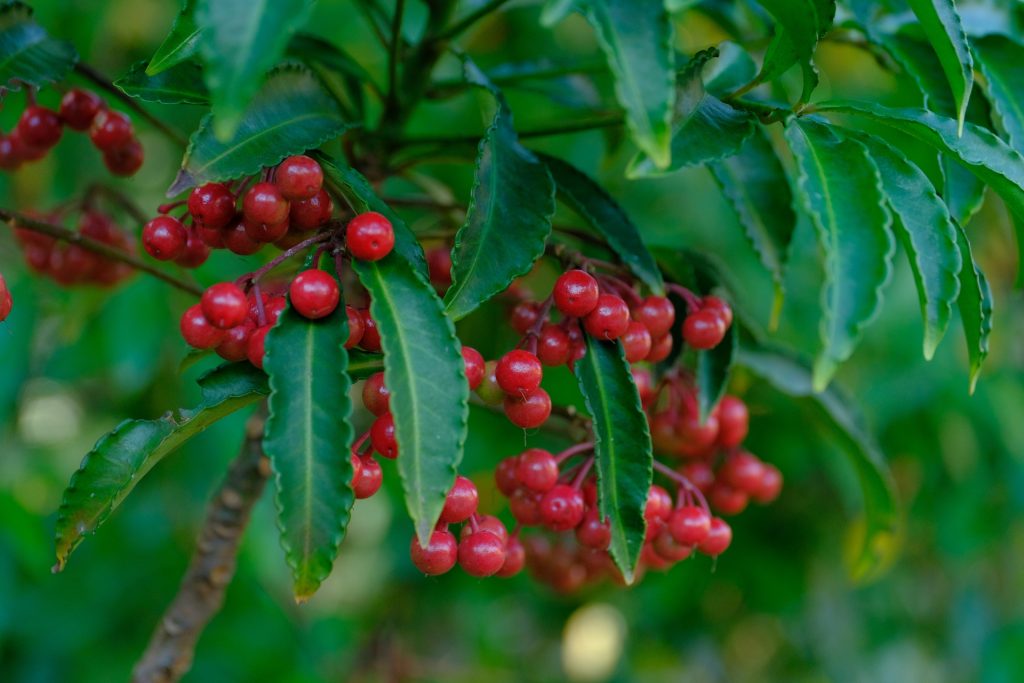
{"points": [[778, 606]]}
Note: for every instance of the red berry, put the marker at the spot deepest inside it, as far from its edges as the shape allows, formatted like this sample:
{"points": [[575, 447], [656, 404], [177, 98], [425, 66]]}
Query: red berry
{"points": [[733, 422], [235, 346], [666, 546], [562, 508], [197, 330], [719, 306], [506, 475], [576, 293], [196, 252], [770, 485], [689, 525], [375, 395], [515, 558], [10, 158], [525, 506], [439, 266], [355, 327], [663, 433], [644, 385], [382, 436], [371, 335], [299, 177], [636, 342], [211, 238], [660, 349], [264, 208], [78, 108], [264, 233], [727, 499], [369, 479], [593, 532], [609, 319], [461, 502], [6, 303], [125, 159], [696, 438], [657, 313], [237, 239], [225, 305], [703, 329], [718, 539], [530, 411], [274, 308], [110, 130], [537, 470], [257, 346], [369, 236], [481, 554], [314, 294], [212, 205], [439, 556], [553, 346], [309, 214], [699, 473], [524, 316], [742, 471], [659, 504], [164, 238], [39, 127], [519, 372], [474, 363], [487, 523]]}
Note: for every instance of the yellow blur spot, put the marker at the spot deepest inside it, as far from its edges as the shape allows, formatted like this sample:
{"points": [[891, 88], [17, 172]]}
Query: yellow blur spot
{"points": [[592, 643]]}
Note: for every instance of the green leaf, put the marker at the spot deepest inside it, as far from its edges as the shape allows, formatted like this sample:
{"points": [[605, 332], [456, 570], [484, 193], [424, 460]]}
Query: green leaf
{"points": [[180, 44], [555, 10], [509, 217], [1001, 62], [240, 41], [975, 304], [622, 445], [362, 364], [308, 440], [290, 114], [882, 524], [799, 25], [424, 370], [754, 183], [636, 37], [927, 232], [842, 194], [733, 68], [123, 457], [28, 55], [181, 84], [606, 216], [714, 367], [941, 25]]}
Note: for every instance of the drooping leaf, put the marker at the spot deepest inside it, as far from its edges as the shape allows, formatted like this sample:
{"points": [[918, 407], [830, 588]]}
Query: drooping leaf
{"points": [[636, 37], [842, 194], [941, 25], [181, 84], [123, 457], [882, 523], [509, 217], [424, 370], [289, 115], [240, 41], [975, 304], [308, 440], [927, 232], [799, 25], [28, 55], [606, 216], [180, 44], [622, 446], [714, 367], [1001, 62]]}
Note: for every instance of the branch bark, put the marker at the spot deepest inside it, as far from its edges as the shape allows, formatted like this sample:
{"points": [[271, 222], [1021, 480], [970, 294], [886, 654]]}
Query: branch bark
{"points": [[169, 654]]}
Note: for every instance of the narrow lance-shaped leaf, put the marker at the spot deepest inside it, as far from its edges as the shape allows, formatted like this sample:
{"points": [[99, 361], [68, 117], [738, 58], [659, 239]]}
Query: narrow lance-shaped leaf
{"points": [[119, 460], [882, 525], [714, 367], [180, 44], [799, 25], [927, 232], [289, 115], [636, 37], [941, 25], [975, 304], [308, 440], [28, 55], [593, 203], [842, 194], [622, 446], [509, 217], [181, 84]]}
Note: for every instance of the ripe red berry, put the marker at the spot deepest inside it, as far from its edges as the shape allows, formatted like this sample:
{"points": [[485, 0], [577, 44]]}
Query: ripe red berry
{"points": [[487, 523], [553, 346], [524, 505], [309, 214], [264, 204], [274, 308], [515, 558], [461, 502], [530, 411], [537, 470], [576, 293], [6, 303], [110, 130], [719, 306], [657, 313], [197, 330], [355, 327], [689, 525], [235, 346], [264, 233], [371, 335], [474, 363], [196, 252], [644, 385], [212, 205], [236, 239], [742, 471], [10, 159], [369, 236], [225, 305], [481, 554], [164, 238], [78, 108], [592, 532], [299, 177], [369, 479], [696, 438], [609, 319], [257, 346], [524, 316], [439, 556], [726, 499], [660, 349], [506, 475], [439, 266], [519, 372], [39, 127], [770, 485], [562, 508], [668, 548], [125, 159], [375, 395], [718, 539], [703, 329], [314, 294], [659, 504], [636, 342], [699, 473], [733, 422], [382, 436]]}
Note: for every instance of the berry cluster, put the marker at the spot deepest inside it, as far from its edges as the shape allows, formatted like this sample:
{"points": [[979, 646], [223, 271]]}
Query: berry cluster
{"points": [[39, 129], [71, 264]]}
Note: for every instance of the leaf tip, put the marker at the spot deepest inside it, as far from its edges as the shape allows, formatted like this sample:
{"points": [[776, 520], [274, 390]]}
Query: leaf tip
{"points": [[182, 182], [824, 369]]}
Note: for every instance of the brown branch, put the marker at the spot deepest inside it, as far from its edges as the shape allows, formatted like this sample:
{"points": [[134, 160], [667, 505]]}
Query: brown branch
{"points": [[201, 595], [17, 220]]}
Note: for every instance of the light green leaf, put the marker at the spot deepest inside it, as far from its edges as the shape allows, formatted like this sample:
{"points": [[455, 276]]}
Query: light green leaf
{"points": [[799, 25], [941, 25], [28, 55], [975, 304], [181, 84], [733, 68], [180, 44]]}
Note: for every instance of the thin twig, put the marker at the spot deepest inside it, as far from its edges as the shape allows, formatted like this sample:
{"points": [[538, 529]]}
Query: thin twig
{"points": [[169, 654], [467, 21]]}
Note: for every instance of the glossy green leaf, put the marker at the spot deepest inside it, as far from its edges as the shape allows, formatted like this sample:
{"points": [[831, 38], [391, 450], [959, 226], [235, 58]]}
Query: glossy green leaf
{"points": [[941, 25], [180, 44], [636, 37], [622, 445], [881, 530], [713, 370], [181, 84], [424, 370], [842, 194], [289, 115], [975, 304], [509, 217], [119, 460], [28, 55], [926, 230], [733, 68], [799, 25], [606, 216], [308, 440], [1001, 62], [240, 41]]}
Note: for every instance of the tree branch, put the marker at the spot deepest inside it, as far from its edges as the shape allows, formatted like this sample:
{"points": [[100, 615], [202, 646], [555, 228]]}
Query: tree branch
{"points": [[201, 595]]}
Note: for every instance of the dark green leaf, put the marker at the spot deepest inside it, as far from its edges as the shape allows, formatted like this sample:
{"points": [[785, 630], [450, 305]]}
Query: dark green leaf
{"points": [[362, 364], [941, 25], [882, 524], [123, 457], [712, 372], [28, 55], [240, 42], [181, 84], [509, 217], [733, 69], [180, 44], [799, 25], [1001, 62], [291, 114], [308, 440], [975, 304], [841, 192], [622, 444]]}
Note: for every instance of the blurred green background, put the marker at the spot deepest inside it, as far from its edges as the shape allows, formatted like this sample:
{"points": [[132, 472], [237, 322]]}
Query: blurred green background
{"points": [[776, 607]]}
